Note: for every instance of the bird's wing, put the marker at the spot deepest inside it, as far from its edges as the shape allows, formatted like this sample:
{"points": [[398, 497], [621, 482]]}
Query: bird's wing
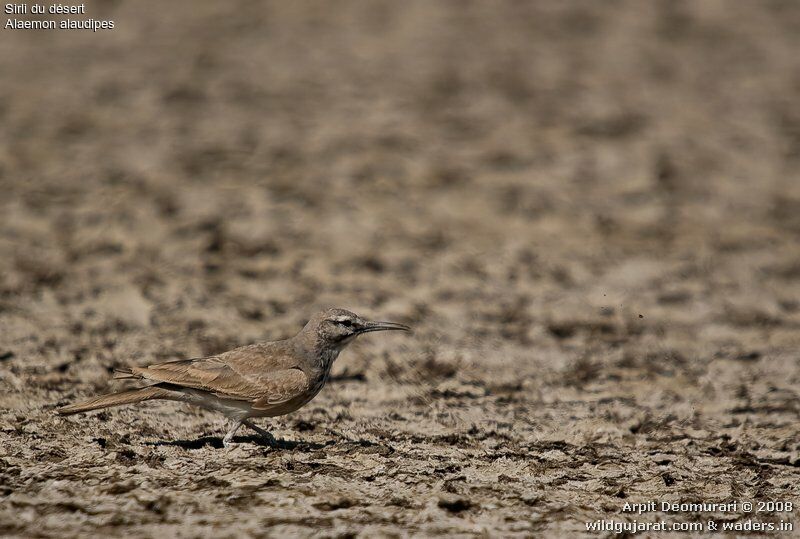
{"points": [[282, 387], [228, 375]]}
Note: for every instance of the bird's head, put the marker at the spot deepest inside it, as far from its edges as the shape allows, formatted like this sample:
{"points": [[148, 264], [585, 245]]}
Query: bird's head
{"points": [[338, 327]]}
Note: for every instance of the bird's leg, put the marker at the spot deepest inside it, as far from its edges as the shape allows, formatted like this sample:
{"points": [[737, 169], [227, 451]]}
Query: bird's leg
{"points": [[228, 439], [270, 439]]}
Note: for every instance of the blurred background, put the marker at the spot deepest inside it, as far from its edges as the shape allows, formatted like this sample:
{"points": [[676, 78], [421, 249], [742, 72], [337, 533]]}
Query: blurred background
{"points": [[589, 211]]}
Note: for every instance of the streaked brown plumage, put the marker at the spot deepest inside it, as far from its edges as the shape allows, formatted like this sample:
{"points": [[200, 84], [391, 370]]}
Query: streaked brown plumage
{"points": [[259, 380]]}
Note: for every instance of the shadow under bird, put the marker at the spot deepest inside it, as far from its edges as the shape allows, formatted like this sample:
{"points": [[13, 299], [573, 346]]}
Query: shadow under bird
{"points": [[259, 380]]}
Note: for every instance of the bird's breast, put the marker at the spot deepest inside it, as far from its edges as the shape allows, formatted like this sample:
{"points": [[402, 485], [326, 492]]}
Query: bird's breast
{"points": [[320, 375]]}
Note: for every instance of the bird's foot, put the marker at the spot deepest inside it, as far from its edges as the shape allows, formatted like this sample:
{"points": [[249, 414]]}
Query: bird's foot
{"points": [[227, 441], [268, 438]]}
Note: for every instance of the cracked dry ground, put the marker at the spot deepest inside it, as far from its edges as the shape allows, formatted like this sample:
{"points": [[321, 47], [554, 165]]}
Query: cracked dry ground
{"points": [[588, 212]]}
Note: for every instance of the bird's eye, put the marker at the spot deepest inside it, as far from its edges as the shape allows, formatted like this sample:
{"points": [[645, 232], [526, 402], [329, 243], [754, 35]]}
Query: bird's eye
{"points": [[345, 323]]}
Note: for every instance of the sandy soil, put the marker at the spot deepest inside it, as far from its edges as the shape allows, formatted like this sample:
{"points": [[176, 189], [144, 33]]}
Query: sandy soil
{"points": [[589, 211]]}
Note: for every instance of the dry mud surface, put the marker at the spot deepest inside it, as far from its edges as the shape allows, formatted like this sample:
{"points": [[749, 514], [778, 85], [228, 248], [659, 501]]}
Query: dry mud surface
{"points": [[589, 211]]}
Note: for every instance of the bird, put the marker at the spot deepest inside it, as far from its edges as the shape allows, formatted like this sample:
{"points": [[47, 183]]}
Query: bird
{"points": [[266, 379]]}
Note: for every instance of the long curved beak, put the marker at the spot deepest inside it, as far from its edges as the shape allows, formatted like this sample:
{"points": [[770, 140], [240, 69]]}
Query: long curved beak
{"points": [[384, 326]]}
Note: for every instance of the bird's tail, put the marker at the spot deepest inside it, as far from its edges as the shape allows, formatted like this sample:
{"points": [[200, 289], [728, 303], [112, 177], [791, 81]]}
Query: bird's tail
{"points": [[124, 373], [118, 399]]}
